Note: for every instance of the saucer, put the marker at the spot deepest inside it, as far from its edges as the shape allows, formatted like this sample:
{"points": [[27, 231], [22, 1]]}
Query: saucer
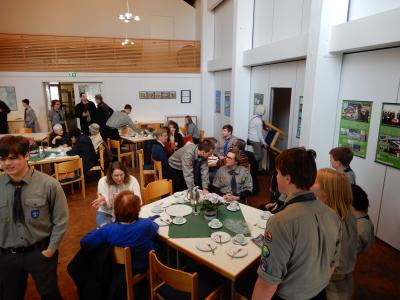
{"points": [[206, 246], [220, 237], [237, 252], [157, 211], [245, 242], [233, 209], [215, 226], [179, 223], [262, 224]]}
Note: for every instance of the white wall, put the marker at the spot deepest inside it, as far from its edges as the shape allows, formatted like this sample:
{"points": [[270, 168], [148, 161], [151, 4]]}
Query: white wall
{"points": [[118, 90], [363, 8], [285, 75], [374, 76], [223, 34], [99, 18], [276, 20], [222, 83]]}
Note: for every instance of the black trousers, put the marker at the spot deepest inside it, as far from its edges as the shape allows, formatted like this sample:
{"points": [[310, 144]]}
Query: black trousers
{"points": [[320, 296], [178, 181], [14, 274]]}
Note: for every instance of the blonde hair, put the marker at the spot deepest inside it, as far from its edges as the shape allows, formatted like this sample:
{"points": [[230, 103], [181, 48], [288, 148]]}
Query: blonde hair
{"points": [[337, 190]]}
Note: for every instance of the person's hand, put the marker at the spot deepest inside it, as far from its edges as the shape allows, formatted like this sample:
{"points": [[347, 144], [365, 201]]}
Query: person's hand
{"points": [[48, 253], [100, 201], [58, 137], [65, 145], [271, 206], [204, 191]]}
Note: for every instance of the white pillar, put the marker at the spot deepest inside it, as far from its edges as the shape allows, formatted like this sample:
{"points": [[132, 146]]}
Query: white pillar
{"points": [[322, 79], [241, 76]]}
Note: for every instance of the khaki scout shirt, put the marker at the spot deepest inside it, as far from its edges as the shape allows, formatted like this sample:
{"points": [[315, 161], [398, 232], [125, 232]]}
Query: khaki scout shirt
{"points": [[348, 250], [222, 180], [219, 146], [183, 159], [302, 243], [45, 209]]}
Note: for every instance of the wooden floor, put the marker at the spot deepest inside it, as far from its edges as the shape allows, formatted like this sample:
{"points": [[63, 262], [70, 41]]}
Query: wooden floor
{"points": [[376, 274]]}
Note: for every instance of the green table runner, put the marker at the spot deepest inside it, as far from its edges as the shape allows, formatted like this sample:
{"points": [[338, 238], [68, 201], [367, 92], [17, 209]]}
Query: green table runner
{"points": [[38, 158], [197, 226]]}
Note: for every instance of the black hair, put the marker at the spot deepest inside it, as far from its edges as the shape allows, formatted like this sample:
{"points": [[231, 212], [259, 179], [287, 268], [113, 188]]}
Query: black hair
{"points": [[360, 198], [128, 106], [75, 132], [26, 101]]}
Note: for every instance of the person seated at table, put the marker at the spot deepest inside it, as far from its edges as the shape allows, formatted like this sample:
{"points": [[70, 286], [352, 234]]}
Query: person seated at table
{"points": [[225, 142], [191, 129], [83, 147], [116, 180], [188, 166], [95, 136], [128, 231], [233, 181], [158, 151], [175, 138], [58, 137]]}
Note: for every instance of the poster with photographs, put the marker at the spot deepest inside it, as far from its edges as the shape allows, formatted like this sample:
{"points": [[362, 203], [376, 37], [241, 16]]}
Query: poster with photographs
{"points": [[157, 95], [258, 99], [227, 111], [7, 94], [299, 116], [354, 126], [217, 102], [388, 148]]}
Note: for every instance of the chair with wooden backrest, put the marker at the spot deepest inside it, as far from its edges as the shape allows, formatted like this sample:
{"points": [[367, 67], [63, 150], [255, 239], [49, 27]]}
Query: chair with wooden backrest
{"points": [[277, 134], [155, 190], [168, 283], [201, 135], [23, 130], [158, 168], [70, 172], [123, 256], [115, 147], [100, 167], [142, 170]]}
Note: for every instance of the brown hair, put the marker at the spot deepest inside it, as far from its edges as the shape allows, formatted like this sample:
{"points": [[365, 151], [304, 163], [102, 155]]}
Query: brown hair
{"points": [[174, 124], [337, 190], [342, 154], [228, 127], [53, 102], [206, 146], [161, 131], [299, 163], [237, 155], [126, 207], [99, 97], [116, 165], [14, 145]]}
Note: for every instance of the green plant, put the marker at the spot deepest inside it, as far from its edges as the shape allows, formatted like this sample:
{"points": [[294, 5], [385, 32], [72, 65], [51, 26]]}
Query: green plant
{"points": [[210, 202]]}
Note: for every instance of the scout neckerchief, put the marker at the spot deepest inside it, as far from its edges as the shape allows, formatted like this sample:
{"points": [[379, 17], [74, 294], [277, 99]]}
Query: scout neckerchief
{"points": [[300, 198]]}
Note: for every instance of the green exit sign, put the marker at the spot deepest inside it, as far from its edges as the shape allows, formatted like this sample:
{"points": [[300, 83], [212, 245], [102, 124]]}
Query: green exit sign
{"points": [[71, 74]]}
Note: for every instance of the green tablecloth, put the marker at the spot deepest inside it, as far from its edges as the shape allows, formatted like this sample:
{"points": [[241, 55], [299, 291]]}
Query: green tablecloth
{"points": [[37, 157], [197, 226]]}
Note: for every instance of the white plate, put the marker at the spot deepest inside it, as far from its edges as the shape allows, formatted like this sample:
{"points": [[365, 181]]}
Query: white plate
{"points": [[245, 241], [206, 246], [262, 224], [165, 204], [166, 221], [231, 209], [179, 223], [157, 211], [216, 226], [220, 237], [265, 215], [237, 251], [179, 194], [179, 210]]}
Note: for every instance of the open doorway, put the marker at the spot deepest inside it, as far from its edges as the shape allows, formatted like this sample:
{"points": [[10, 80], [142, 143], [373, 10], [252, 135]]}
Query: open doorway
{"points": [[280, 112]]}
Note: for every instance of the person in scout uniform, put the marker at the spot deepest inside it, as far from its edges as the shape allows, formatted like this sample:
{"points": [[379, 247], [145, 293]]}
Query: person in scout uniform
{"points": [[188, 166], [33, 221], [225, 142], [234, 182], [302, 241]]}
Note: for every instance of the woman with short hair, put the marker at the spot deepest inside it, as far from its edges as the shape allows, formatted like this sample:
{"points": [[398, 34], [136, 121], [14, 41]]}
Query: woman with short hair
{"points": [[116, 180], [59, 137], [56, 115], [191, 129]]}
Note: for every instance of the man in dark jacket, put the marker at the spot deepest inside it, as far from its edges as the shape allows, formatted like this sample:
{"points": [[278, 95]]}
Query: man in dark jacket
{"points": [[4, 111], [85, 111], [158, 151], [103, 111], [84, 148]]}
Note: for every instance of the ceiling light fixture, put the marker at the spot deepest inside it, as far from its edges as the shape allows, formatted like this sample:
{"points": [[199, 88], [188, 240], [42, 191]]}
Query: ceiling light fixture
{"points": [[127, 41], [128, 16]]}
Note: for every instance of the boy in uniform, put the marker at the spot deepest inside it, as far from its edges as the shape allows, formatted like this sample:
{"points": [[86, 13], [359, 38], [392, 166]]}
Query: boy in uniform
{"points": [[341, 158]]}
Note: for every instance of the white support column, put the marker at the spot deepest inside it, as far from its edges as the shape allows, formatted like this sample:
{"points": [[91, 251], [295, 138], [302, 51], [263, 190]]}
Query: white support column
{"points": [[322, 79], [207, 78], [241, 76]]}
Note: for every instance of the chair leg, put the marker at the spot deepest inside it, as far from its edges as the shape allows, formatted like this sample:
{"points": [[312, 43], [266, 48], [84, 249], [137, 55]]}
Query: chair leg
{"points": [[72, 188], [133, 163], [83, 188]]}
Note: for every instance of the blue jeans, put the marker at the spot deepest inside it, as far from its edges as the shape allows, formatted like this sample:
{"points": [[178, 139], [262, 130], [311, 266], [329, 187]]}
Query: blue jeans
{"points": [[102, 218]]}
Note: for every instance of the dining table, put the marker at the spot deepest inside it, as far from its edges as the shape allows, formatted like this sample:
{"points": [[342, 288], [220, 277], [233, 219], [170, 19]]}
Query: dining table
{"points": [[193, 238], [51, 155], [36, 136]]}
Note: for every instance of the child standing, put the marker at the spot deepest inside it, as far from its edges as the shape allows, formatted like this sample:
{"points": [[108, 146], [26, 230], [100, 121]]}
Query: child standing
{"points": [[341, 158]]}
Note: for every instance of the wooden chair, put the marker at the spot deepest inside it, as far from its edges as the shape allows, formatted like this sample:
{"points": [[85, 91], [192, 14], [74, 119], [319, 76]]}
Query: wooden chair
{"points": [[23, 130], [182, 130], [142, 170], [158, 168], [155, 190], [101, 166], [115, 147], [277, 134], [201, 135], [70, 172], [165, 282], [122, 256]]}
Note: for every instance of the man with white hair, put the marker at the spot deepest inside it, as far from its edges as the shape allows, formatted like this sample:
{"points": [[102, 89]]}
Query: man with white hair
{"points": [[58, 137], [255, 136]]}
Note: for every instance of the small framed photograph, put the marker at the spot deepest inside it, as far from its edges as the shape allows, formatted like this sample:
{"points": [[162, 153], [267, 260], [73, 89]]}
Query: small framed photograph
{"points": [[186, 96]]}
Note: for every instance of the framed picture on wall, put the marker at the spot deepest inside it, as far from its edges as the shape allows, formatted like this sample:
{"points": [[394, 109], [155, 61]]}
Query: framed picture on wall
{"points": [[258, 99], [7, 94], [227, 111], [217, 101], [299, 116], [186, 96], [354, 126], [388, 148]]}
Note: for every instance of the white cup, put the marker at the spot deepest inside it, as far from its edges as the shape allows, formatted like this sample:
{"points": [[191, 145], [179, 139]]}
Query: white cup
{"points": [[233, 205], [215, 222], [179, 219], [239, 238]]}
